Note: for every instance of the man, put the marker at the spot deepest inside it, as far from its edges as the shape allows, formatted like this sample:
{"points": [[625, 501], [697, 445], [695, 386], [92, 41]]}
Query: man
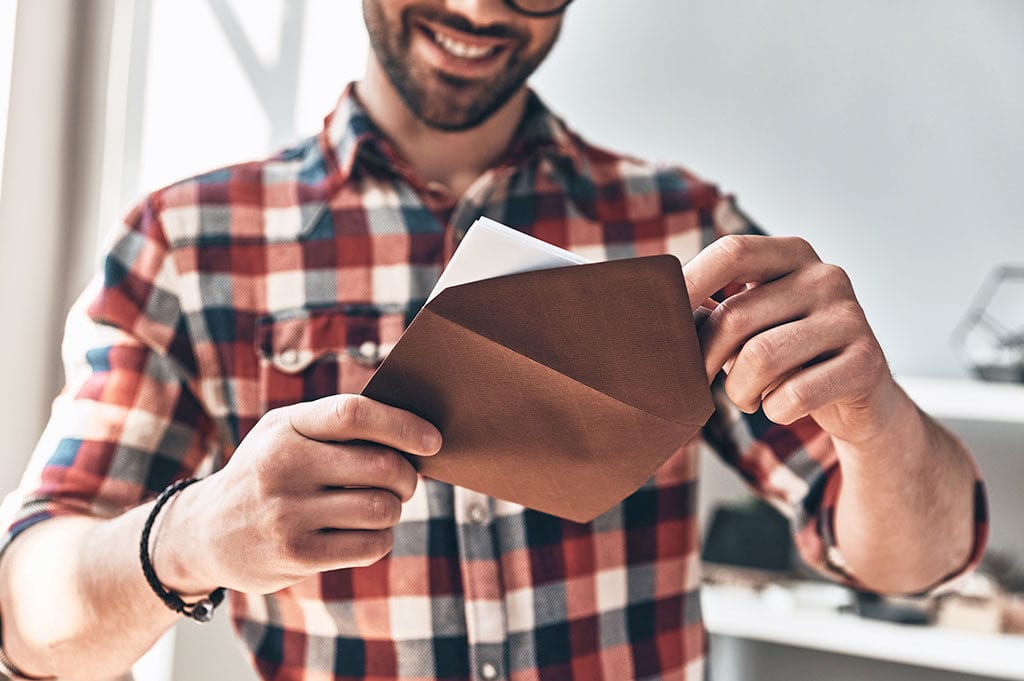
{"points": [[239, 313]]}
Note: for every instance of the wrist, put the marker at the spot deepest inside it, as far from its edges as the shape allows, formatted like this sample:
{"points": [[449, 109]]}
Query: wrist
{"points": [[881, 415], [179, 547], [897, 429]]}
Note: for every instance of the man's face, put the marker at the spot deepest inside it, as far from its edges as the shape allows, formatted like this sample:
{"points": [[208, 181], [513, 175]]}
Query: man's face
{"points": [[454, 69]]}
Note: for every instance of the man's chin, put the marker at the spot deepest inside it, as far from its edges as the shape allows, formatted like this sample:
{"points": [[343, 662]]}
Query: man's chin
{"points": [[453, 111], [451, 121]]}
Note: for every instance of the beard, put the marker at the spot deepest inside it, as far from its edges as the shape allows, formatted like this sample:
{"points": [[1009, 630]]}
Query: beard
{"points": [[442, 101]]}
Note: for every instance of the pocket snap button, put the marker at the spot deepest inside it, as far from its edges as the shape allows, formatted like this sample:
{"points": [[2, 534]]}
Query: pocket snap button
{"points": [[368, 351], [289, 357]]}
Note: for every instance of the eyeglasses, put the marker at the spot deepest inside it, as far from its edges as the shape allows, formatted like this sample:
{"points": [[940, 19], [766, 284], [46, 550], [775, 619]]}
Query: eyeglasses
{"points": [[538, 8]]}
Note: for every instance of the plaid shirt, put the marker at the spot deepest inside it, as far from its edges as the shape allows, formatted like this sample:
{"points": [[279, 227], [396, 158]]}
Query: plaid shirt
{"points": [[267, 283]]}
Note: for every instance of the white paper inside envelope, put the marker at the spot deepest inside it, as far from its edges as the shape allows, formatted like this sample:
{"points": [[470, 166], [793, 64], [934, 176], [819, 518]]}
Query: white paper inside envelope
{"points": [[490, 249]]}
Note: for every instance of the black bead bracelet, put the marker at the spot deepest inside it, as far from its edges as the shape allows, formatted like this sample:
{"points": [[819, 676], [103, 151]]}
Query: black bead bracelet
{"points": [[201, 611]]}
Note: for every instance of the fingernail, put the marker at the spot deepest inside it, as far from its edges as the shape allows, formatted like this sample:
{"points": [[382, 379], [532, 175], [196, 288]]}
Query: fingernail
{"points": [[431, 441]]}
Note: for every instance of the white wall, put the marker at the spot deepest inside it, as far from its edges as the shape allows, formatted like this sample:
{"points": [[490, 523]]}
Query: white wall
{"points": [[887, 132]]}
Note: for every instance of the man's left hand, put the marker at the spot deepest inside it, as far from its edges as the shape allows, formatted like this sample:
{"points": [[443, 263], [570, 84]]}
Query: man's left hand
{"points": [[793, 340]]}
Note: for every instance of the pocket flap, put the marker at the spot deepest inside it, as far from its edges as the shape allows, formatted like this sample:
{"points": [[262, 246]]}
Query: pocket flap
{"points": [[292, 341]]}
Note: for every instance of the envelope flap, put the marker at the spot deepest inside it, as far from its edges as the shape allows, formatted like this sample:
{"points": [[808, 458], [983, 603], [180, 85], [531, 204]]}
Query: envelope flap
{"points": [[518, 430], [622, 327]]}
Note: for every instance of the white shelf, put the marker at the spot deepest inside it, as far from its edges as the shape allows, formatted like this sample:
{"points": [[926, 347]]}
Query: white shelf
{"points": [[158, 663], [972, 400], [741, 613]]}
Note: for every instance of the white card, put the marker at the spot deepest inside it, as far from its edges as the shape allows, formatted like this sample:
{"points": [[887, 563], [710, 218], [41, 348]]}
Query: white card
{"points": [[491, 249]]}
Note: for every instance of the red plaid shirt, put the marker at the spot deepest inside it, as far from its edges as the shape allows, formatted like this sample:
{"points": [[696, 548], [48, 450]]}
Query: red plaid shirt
{"points": [[268, 283]]}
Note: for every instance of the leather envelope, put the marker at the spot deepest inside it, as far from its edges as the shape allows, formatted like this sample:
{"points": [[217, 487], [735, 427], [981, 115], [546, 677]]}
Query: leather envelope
{"points": [[562, 390]]}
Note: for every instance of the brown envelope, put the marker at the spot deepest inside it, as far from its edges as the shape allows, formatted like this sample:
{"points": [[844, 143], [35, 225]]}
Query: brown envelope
{"points": [[562, 390]]}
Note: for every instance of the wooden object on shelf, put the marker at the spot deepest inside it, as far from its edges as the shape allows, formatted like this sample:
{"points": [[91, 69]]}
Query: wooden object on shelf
{"points": [[1013, 614], [973, 614]]}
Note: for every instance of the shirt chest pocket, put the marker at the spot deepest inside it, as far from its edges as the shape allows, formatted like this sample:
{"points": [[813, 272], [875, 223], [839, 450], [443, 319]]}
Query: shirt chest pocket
{"points": [[308, 354]]}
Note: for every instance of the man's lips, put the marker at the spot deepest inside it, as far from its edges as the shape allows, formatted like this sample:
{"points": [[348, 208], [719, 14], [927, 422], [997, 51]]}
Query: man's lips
{"points": [[460, 44]]}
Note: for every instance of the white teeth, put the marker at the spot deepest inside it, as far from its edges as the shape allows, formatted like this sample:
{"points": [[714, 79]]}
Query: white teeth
{"points": [[460, 49]]}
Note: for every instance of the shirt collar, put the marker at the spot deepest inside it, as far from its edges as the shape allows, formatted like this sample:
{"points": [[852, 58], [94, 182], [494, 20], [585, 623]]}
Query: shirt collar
{"points": [[350, 136]]}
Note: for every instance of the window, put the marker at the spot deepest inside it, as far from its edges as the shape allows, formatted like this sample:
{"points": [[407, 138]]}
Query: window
{"points": [[8, 10], [222, 81]]}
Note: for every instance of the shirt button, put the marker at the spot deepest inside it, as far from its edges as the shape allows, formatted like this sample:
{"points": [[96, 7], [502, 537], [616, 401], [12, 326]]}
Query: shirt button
{"points": [[368, 351], [289, 357], [488, 671], [477, 514]]}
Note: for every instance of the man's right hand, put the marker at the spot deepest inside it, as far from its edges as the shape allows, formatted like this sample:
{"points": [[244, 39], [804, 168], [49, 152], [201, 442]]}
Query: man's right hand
{"points": [[316, 486]]}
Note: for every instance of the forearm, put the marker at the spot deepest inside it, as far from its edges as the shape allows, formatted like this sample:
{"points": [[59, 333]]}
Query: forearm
{"points": [[72, 586], [905, 513]]}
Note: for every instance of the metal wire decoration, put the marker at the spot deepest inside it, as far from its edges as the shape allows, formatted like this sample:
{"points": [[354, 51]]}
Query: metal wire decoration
{"points": [[989, 340]]}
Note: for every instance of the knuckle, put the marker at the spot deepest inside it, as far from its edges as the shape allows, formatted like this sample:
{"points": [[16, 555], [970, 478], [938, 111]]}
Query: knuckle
{"points": [[731, 316], [267, 471], [383, 509], [848, 312], [779, 412], [740, 395], [760, 354], [869, 361], [796, 396], [277, 423], [878, 361], [277, 529], [372, 546], [295, 547], [274, 418], [346, 411], [832, 278], [804, 247], [736, 247], [384, 467], [277, 512]]}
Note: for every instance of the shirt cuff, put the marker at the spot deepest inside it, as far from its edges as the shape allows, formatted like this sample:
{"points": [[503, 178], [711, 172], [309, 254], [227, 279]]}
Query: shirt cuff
{"points": [[822, 527]]}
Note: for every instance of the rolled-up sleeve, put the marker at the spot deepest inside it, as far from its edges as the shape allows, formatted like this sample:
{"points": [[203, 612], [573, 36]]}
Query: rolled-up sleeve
{"points": [[127, 422]]}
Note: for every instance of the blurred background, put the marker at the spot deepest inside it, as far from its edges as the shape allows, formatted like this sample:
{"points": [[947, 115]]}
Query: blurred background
{"points": [[886, 132]]}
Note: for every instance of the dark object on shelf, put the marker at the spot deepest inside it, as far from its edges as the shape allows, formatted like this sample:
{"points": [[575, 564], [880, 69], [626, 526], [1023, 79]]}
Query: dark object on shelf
{"points": [[989, 340], [874, 607], [752, 536]]}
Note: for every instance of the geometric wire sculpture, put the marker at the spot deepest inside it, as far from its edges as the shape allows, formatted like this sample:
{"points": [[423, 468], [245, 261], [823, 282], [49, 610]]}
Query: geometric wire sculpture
{"points": [[989, 340]]}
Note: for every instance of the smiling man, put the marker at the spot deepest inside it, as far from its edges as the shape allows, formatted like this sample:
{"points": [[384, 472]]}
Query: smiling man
{"points": [[239, 314]]}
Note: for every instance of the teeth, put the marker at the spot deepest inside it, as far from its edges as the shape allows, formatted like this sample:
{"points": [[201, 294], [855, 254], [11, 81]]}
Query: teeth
{"points": [[461, 49]]}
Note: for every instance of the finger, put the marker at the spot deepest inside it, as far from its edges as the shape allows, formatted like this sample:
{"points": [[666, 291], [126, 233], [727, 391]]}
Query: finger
{"points": [[332, 549], [814, 388], [742, 316], [743, 259], [767, 359], [350, 509], [701, 314], [320, 465], [340, 418]]}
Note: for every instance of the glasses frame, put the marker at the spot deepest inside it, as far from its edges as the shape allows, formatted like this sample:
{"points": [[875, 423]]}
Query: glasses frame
{"points": [[549, 13]]}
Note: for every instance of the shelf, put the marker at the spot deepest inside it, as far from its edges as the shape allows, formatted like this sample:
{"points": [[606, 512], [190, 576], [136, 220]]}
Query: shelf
{"points": [[967, 399], [741, 613], [158, 663]]}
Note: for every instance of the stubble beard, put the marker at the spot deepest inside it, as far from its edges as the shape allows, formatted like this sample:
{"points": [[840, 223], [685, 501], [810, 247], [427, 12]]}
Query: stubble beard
{"points": [[439, 100]]}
